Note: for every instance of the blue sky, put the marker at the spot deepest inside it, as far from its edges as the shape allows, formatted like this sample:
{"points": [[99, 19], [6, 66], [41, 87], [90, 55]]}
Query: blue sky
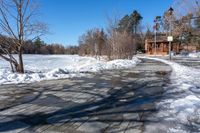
{"points": [[69, 19]]}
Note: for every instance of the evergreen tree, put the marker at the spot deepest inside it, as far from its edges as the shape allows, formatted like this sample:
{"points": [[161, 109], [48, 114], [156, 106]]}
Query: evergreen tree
{"points": [[135, 20], [130, 23], [124, 24], [38, 42], [158, 23]]}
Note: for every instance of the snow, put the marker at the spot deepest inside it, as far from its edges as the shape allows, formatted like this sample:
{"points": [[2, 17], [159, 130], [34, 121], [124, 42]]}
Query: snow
{"points": [[189, 55], [49, 67], [194, 55], [182, 102]]}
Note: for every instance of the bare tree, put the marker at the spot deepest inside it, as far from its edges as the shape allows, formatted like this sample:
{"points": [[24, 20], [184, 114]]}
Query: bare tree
{"points": [[17, 25], [121, 44]]}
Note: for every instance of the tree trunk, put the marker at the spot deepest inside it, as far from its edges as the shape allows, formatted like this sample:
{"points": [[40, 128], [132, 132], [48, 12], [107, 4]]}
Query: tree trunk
{"points": [[11, 65], [21, 64]]}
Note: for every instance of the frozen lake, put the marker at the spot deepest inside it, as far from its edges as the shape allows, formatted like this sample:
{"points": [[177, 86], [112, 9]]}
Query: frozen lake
{"points": [[47, 67]]}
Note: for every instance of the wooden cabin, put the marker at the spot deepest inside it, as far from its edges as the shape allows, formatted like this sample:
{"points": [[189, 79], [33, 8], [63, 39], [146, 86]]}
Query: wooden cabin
{"points": [[161, 48]]}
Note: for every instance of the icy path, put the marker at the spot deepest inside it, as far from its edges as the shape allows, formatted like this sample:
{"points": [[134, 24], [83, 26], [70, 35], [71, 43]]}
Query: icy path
{"points": [[117, 101], [182, 103]]}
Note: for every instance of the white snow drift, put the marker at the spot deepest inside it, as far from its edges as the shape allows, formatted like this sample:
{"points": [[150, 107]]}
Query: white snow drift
{"points": [[183, 104], [194, 55], [47, 67]]}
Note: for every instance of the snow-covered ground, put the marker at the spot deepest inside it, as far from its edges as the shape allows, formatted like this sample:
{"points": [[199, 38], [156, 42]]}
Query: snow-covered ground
{"points": [[182, 103], [48, 67], [189, 55], [194, 55]]}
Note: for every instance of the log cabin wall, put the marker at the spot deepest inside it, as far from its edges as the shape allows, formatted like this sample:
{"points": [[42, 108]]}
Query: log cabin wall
{"points": [[161, 48]]}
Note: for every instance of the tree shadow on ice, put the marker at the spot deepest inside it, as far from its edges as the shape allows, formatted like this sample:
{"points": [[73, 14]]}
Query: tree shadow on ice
{"points": [[129, 99], [120, 102]]}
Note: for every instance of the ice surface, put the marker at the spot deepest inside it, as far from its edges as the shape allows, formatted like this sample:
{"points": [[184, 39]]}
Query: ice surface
{"points": [[48, 67]]}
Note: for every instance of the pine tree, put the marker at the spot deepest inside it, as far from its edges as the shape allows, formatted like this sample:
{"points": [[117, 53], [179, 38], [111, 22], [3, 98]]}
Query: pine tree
{"points": [[38, 42], [130, 23], [124, 24], [135, 20]]}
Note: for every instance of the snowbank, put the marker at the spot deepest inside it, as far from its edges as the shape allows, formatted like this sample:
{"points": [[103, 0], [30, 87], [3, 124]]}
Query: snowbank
{"points": [[48, 67], [183, 104], [194, 55]]}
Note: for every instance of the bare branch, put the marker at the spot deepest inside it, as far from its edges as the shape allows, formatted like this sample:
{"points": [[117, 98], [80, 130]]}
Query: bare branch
{"points": [[17, 25]]}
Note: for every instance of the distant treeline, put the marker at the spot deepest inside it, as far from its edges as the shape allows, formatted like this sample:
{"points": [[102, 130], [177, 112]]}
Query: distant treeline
{"points": [[39, 47]]}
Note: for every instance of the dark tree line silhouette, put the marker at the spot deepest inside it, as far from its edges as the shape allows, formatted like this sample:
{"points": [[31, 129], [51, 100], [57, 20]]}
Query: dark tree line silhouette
{"points": [[40, 47]]}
